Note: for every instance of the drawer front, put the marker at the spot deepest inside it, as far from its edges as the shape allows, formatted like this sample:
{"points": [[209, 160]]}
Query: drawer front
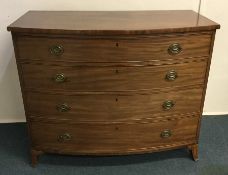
{"points": [[113, 107], [113, 50], [92, 78], [93, 138]]}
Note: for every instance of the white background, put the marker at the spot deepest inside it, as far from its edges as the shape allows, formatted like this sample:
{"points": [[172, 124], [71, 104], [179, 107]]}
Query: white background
{"points": [[11, 105]]}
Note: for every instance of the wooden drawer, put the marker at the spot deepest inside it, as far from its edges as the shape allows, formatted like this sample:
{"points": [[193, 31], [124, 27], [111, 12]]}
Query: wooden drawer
{"points": [[93, 78], [117, 49], [112, 107], [95, 82], [90, 138]]}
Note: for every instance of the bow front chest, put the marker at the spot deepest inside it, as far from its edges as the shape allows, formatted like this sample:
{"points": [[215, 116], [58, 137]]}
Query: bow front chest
{"points": [[113, 83]]}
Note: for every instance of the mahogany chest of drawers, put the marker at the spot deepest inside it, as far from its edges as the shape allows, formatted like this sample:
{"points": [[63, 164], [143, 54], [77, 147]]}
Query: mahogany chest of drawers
{"points": [[113, 83]]}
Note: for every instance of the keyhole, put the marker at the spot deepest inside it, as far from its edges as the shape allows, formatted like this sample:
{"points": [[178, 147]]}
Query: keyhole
{"points": [[117, 71], [117, 44], [117, 99]]}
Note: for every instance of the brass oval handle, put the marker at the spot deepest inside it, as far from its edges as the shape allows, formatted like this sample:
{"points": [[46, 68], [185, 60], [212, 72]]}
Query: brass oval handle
{"points": [[174, 49], [56, 50], [64, 137], [171, 75], [166, 133], [63, 107], [167, 105], [59, 78]]}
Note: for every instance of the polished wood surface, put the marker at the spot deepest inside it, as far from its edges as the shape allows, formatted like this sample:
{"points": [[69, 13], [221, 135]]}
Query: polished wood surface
{"points": [[111, 138], [104, 77], [113, 107], [116, 49], [111, 22], [115, 89]]}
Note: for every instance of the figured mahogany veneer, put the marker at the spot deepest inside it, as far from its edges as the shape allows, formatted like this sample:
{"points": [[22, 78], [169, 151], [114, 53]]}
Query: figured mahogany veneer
{"points": [[104, 77], [119, 49], [106, 139], [113, 107], [113, 83]]}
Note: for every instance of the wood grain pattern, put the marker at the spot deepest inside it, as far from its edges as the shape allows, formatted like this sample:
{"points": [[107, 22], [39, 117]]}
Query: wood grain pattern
{"points": [[113, 50], [115, 63], [171, 146], [113, 107], [117, 78], [206, 80], [112, 22], [111, 138]]}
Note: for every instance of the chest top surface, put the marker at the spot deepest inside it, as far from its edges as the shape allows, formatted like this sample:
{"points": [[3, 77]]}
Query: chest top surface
{"points": [[111, 22]]}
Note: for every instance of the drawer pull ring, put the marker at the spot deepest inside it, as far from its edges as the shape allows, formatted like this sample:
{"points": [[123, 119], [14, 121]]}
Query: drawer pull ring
{"points": [[167, 105], [166, 133], [171, 75], [63, 107], [64, 137], [174, 49], [59, 78], [56, 50]]}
